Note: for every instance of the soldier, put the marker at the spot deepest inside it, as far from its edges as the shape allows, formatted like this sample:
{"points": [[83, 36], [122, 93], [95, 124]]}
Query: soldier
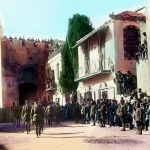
{"points": [[122, 113], [18, 115], [49, 113], [102, 111], [114, 112], [26, 115], [13, 114], [93, 112], [57, 109], [77, 112], [147, 117], [37, 115], [83, 113], [138, 118]]}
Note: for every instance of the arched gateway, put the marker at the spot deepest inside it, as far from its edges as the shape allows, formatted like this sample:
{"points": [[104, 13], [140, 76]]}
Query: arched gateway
{"points": [[27, 79]]}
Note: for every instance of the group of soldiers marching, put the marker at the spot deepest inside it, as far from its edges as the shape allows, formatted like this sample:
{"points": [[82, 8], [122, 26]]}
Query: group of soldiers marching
{"points": [[36, 115], [134, 114]]}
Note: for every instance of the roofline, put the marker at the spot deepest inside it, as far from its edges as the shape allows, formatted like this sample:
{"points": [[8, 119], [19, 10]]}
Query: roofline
{"points": [[138, 9], [99, 28], [91, 33]]}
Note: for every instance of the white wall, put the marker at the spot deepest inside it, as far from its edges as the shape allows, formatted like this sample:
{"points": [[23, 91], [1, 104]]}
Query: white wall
{"points": [[143, 67], [53, 65]]}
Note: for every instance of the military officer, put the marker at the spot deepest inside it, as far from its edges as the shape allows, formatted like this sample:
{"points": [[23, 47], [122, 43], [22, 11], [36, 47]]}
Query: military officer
{"points": [[57, 109], [102, 112], [26, 115], [122, 113], [93, 112], [37, 115], [138, 118], [18, 115], [49, 113]]}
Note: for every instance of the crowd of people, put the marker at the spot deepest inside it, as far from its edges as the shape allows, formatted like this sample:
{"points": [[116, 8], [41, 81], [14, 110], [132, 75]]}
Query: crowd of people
{"points": [[133, 113]]}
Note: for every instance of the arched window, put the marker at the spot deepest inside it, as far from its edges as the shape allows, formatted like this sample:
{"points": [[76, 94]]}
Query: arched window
{"points": [[132, 39]]}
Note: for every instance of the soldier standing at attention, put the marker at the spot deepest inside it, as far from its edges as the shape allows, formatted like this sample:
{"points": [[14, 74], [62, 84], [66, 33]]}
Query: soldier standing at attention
{"points": [[49, 113], [18, 115], [138, 118], [93, 112], [58, 109], [122, 113], [26, 115], [102, 112], [37, 115]]}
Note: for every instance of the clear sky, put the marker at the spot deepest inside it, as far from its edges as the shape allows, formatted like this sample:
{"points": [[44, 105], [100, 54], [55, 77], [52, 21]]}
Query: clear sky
{"points": [[49, 18]]}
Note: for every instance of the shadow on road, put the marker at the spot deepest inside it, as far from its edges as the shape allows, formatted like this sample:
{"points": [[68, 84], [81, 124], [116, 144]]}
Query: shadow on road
{"points": [[62, 133], [2, 147], [64, 137]]}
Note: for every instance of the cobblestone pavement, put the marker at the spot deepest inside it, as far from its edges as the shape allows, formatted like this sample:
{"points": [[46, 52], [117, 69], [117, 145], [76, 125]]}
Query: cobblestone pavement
{"points": [[72, 136]]}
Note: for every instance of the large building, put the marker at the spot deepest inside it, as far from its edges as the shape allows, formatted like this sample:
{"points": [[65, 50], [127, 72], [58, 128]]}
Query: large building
{"points": [[23, 69], [108, 51], [53, 71]]}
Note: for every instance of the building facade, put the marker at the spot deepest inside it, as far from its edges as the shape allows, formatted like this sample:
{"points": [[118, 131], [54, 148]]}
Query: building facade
{"points": [[108, 51], [143, 65], [53, 73], [23, 69]]}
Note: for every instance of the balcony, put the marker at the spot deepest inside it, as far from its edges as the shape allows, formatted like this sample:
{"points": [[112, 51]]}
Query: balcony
{"points": [[51, 87], [91, 75]]}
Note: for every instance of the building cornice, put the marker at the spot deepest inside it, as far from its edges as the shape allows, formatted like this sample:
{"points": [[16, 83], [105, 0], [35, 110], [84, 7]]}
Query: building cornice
{"points": [[92, 75]]}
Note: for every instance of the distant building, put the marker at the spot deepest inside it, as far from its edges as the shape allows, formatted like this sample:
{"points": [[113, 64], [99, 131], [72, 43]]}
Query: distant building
{"points": [[106, 50], [53, 70]]}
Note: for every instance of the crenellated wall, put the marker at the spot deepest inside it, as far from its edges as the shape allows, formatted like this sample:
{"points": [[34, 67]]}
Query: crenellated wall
{"points": [[23, 63]]}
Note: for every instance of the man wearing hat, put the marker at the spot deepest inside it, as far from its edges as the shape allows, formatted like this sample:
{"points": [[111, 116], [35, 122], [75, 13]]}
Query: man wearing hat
{"points": [[49, 113], [122, 113], [138, 118], [26, 115], [37, 115], [102, 111]]}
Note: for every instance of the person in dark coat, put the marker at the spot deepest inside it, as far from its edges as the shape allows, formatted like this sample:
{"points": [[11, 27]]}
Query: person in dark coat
{"points": [[26, 115], [122, 113], [37, 115]]}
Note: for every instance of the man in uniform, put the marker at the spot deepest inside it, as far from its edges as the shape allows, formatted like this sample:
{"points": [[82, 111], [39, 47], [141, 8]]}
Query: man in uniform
{"points": [[138, 118], [26, 115], [57, 109], [49, 113], [18, 115], [122, 113], [93, 112], [102, 111], [37, 115]]}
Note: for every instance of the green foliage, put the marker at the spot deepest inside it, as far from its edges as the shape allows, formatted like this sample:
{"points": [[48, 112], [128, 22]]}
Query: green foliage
{"points": [[66, 81], [79, 26]]}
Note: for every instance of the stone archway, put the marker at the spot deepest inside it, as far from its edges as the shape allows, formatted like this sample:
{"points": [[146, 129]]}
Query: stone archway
{"points": [[26, 90], [28, 87]]}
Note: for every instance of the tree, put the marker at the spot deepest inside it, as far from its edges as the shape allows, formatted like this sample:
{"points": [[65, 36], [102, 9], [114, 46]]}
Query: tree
{"points": [[67, 74], [79, 26]]}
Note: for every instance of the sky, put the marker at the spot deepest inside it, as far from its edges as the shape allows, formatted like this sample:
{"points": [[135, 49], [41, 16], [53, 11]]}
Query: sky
{"points": [[46, 19]]}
